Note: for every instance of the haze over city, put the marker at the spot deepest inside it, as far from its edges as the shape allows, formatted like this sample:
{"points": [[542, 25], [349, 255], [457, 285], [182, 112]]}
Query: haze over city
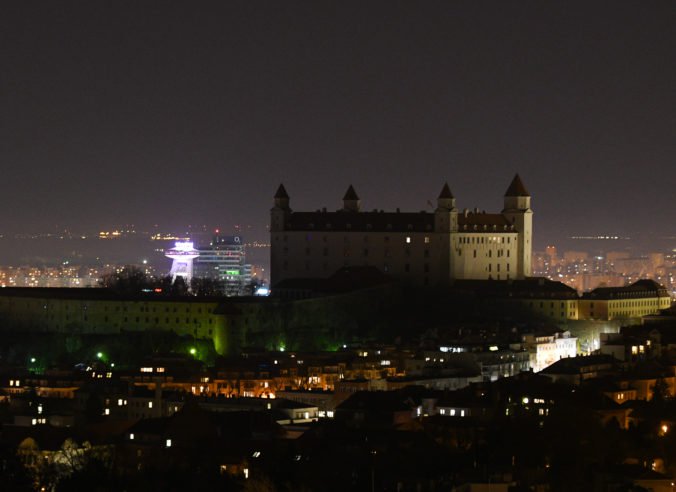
{"points": [[168, 114]]}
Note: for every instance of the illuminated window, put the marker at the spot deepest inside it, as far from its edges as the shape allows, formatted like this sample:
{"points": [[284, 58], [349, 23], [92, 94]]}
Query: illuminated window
{"points": [[131, 436], [150, 404], [408, 239], [168, 443]]}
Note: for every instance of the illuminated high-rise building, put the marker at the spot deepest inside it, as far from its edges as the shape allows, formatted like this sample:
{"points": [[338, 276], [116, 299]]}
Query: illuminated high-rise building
{"points": [[182, 254], [224, 259]]}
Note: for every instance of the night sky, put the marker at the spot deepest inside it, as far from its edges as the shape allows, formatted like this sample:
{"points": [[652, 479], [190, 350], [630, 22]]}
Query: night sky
{"points": [[193, 112]]}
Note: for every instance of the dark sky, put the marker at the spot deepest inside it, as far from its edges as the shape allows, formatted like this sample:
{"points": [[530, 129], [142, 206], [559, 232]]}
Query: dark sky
{"points": [[193, 112]]}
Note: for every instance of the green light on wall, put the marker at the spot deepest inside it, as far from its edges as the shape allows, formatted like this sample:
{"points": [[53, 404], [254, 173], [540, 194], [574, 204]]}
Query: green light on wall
{"points": [[232, 272]]}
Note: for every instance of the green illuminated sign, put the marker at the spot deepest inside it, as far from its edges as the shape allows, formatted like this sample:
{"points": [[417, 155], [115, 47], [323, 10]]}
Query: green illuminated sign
{"points": [[232, 272]]}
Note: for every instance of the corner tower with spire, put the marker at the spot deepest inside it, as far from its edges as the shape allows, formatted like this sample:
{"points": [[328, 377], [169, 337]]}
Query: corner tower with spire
{"points": [[518, 212], [280, 210], [446, 215], [351, 202]]}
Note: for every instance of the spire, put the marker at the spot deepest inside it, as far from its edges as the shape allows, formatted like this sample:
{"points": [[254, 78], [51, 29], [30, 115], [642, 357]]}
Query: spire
{"points": [[281, 192], [446, 192], [350, 194], [516, 188], [445, 200], [351, 200], [282, 199]]}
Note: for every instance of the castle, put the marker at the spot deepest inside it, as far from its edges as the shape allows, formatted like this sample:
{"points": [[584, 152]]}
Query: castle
{"points": [[421, 248]]}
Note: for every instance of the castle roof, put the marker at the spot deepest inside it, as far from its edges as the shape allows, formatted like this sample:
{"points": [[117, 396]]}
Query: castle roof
{"points": [[532, 287], [516, 188], [482, 219], [350, 194], [393, 222], [639, 289], [362, 221], [446, 192], [281, 192]]}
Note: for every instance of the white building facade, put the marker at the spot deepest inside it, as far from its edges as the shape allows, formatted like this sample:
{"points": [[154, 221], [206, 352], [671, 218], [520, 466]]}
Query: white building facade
{"points": [[224, 259]]}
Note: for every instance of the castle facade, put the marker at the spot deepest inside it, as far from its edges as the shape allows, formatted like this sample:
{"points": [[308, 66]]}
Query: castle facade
{"points": [[421, 248]]}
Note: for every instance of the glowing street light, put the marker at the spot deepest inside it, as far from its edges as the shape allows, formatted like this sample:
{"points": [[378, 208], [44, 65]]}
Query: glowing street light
{"points": [[193, 351], [99, 355]]}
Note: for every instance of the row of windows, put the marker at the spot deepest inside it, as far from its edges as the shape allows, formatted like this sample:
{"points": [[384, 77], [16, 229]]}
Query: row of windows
{"points": [[484, 240], [138, 319], [386, 267], [499, 253], [143, 309], [641, 303], [365, 252], [346, 239], [497, 267], [369, 227]]}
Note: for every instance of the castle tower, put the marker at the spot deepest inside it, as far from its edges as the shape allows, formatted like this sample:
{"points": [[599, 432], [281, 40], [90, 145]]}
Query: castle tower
{"points": [[280, 209], [518, 212], [445, 222], [351, 201], [282, 198], [183, 253], [446, 215]]}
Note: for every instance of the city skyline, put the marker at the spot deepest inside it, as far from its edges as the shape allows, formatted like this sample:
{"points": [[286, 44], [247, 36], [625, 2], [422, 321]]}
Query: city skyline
{"points": [[110, 112]]}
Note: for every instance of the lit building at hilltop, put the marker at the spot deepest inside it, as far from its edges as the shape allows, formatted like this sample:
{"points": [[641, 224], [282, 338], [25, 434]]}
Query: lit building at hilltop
{"points": [[224, 259], [422, 248]]}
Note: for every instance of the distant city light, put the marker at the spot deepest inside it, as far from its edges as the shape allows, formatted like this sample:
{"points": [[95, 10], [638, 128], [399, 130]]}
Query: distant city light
{"points": [[193, 350], [99, 355]]}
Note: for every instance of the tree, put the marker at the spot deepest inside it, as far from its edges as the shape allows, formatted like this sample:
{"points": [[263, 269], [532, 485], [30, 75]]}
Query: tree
{"points": [[205, 286], [129, 280], [179, 287], [660, 390]]}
